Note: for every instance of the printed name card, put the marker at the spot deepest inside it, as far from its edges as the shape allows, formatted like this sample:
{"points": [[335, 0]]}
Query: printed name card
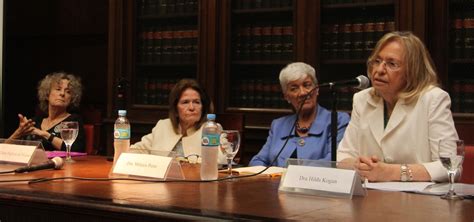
{"points": [[142, 165], [14, 153], [321, 180]]}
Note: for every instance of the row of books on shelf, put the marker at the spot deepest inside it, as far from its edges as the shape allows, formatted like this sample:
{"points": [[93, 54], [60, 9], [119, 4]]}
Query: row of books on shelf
{"points": [[249, 93], [257, 93], [266, 93], [462, 37], [263, 42], [462, 96], [344, 98], [353, 39], [462, 1], [164, 45], [154, 90], [251, 4], [167, 7], [331, 2]]}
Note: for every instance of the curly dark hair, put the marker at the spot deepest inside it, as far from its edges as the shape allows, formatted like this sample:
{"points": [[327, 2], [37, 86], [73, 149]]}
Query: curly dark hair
{"points": [[44, 88]]}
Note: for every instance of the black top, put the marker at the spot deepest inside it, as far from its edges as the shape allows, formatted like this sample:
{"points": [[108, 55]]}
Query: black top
{"points": [[77, 146]]}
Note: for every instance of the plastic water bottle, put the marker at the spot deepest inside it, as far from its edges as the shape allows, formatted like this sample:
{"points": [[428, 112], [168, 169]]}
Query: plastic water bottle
{"points": [[209, 148], [121, 134]]}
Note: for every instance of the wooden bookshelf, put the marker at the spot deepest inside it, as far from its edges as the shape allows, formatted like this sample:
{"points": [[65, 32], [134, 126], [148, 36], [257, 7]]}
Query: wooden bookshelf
{"points": [[240, 46]]}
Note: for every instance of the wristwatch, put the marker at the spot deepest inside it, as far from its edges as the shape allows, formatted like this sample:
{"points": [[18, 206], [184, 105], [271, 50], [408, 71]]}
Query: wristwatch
{"points": [[405, 173]]}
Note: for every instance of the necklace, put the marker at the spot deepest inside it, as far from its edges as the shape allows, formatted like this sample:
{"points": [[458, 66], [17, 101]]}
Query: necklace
{"points": [[303, 130]]}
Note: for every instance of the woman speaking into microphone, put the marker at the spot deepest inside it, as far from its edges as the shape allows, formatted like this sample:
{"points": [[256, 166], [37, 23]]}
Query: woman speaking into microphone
{"points": [[397, 123]]}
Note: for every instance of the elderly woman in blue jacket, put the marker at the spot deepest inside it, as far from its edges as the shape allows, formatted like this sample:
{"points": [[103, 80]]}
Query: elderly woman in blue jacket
{"points": [[311, 138]]}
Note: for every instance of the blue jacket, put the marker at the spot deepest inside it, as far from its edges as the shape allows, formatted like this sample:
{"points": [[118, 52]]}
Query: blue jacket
{"points": [[317, 145]]}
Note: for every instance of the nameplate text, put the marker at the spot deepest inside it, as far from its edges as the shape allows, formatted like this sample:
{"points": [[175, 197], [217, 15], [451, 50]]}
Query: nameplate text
{"points": [[319, 178], [142, 165], [14, 153]]}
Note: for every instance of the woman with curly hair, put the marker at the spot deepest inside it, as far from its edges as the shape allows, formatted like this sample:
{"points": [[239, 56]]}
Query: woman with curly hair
{"points": [[58, 94]]}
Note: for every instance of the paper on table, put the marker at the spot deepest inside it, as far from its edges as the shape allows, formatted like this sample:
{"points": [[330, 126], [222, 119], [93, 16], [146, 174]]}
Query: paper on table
{"points": [[442, 188], [466, 190], [399, 186], [272, 171]]}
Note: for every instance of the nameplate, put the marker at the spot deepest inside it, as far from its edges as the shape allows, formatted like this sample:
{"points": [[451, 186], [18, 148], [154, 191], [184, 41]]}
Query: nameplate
{"points": [[144, 165], [14, 153], [324, 179]]}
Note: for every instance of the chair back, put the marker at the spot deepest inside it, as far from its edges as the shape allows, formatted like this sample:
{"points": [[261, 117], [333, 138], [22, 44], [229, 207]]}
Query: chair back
{"points": [[89, 135], [467, 175], [92, 126]]}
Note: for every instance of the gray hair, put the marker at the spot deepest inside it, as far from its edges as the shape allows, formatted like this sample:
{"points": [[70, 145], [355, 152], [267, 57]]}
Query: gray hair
{"points": [[44, 88], [295, 71]]}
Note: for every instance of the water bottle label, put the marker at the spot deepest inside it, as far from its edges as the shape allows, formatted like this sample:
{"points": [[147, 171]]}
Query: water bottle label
{"points": [[210, 140], [122, 134]]}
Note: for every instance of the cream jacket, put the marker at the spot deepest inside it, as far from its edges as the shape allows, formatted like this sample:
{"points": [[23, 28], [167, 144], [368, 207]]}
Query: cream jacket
{"points": [[412, 133], [163, 138]]}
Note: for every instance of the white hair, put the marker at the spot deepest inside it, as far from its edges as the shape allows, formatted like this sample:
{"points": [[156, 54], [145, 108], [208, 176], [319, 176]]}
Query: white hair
{"points": [[295, 71]]}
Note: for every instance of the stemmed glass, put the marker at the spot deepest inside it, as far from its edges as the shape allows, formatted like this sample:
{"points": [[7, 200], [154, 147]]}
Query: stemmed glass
{"points": [[229, 146], [451, 155], [69, 131]]}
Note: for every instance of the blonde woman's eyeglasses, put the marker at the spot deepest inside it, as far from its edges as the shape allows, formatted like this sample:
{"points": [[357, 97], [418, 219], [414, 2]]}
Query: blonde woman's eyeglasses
{"points": [[391, 65]]}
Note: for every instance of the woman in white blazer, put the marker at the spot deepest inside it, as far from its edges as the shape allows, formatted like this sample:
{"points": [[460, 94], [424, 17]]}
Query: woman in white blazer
{"points": [[181, 131], [396, 124]]}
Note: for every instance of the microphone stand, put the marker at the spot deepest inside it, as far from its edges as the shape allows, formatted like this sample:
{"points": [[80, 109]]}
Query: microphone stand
{"points": [[291, 130], [333, 124]]}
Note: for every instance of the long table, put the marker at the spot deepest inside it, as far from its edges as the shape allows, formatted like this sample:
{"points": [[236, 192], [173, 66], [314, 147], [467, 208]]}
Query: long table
{"points": [[255, 198]]}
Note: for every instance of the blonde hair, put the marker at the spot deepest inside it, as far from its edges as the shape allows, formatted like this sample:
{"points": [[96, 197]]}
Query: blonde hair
{"points": [[45, 85], [420, 70]]}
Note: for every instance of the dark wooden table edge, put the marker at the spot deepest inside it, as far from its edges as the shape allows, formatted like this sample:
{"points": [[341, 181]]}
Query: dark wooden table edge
{"points": [[85, 204]]}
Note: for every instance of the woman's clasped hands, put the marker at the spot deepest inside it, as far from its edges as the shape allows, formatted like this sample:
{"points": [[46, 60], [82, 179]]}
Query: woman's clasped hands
{"points": [[373, 169]]}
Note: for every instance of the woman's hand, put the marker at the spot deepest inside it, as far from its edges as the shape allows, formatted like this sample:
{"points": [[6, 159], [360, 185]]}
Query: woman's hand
{"points": [[25, 127], [374, 170], [41, 133]]}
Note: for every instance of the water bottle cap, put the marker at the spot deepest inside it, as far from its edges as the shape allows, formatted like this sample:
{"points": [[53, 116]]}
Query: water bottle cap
{"points": [[211, 116], [122, 112]]}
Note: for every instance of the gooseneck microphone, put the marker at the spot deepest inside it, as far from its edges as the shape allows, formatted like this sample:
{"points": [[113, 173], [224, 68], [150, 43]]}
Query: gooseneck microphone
{"points": [[360, 82], [56, 163], [306, 97]]}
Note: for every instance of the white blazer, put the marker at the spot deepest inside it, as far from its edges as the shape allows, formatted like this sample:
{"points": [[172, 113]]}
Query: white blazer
{"points": [[412, 133], [163, 138]]}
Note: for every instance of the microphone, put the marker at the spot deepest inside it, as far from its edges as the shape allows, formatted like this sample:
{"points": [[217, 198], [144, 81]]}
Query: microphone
{"points": [[360, 82], [56, 163]]}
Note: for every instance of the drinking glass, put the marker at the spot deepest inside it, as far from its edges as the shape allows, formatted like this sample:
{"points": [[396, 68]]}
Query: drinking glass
{"points": [[229, 146], [451, 155], [69, 131]]}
